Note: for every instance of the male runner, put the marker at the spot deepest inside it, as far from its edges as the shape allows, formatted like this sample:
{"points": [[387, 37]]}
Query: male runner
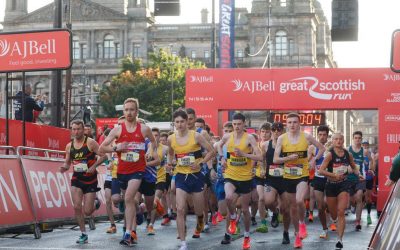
{"points": [[81, 154], [336, 166], [358, 184], [369, 170], [241, 148], [291, 150], [186, 145], [130, 147]]}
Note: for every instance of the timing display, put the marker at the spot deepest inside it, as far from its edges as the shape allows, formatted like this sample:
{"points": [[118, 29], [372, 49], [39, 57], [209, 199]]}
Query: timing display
{"points": [[307, 119]]}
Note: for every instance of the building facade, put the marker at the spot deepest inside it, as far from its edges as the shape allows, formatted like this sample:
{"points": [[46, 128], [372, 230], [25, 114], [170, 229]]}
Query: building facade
{"points": [[105, 31]]}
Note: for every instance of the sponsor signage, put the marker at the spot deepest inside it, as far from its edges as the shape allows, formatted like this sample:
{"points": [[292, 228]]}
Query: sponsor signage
{"points": [[227, 33], [35, 50], [395, 55]]}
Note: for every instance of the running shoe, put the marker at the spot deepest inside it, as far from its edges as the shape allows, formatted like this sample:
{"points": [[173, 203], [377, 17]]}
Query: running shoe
{"points": [[134, 238], [302, 230], [159, 207], [150, 230], [97, 203], [237, 232], [232, 226], [166, 221], [206, 228], [127, 240], [346, 212], [197, 231], [339, 245], [297, 242], [358, 226], [83, 239], [246, 243], [253, 221], [183, 247], [226, 240], [311, 217], [220, 217], [112, 230], [263, 228], [333, 227], [285, 239], [214, 219], [369, 221], [275, 220], [324, 234]]}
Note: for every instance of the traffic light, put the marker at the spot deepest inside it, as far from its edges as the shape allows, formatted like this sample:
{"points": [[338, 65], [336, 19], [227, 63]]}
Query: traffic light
{"points": [[166, 8], [344, 20]]}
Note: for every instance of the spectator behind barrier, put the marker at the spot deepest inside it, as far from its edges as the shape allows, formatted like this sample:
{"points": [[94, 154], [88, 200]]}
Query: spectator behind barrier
{"points": [[30, 104], [394, 170]]}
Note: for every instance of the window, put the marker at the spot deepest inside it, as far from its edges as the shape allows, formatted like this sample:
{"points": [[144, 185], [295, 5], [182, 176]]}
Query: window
{"points": [[283, 3], [291, 47], [109, 47], [193, 54], [136, 52], [76, 53], [84, 51], [281, 44], [118, 50], [206, 54], [239, 53]]}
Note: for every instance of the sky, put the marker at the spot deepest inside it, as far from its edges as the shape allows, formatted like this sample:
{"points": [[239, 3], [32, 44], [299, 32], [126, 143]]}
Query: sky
{"points": [[377, 21]]}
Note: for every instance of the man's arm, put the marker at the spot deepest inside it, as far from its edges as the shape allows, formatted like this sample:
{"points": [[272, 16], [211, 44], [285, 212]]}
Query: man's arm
{"points": [[106, 146], [207, 146], [256, 154], [146, 131], [277, 155], [67, 162], [94, 147], [32, 104], [317, 144]]}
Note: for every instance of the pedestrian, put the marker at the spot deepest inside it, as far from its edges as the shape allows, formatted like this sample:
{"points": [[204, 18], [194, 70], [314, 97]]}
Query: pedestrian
{"points": [[30, 104]]}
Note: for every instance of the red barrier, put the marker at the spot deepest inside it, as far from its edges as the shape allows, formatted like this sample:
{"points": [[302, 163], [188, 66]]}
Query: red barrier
{"points": [[15, 206]]}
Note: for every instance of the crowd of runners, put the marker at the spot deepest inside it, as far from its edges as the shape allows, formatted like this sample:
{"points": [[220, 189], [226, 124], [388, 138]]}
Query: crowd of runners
{"points": [[279, 175]]}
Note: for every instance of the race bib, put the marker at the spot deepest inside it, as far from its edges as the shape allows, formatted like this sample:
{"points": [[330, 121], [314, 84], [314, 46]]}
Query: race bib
{"points": [[81, 167], [130, 156], [294, 170], [237, 161], [358, 167], [186, 161], [339, 169], [275, 170]]}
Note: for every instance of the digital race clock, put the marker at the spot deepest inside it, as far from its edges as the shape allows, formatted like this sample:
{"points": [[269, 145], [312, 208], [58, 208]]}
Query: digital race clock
{"points": [[306, 119]]}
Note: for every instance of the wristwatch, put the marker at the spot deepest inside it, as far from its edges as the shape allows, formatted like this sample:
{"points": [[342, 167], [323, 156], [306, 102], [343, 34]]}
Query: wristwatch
{"points": [[115, 149]]}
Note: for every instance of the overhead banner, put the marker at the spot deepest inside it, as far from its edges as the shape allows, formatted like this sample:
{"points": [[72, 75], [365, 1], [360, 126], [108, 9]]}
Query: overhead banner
{"points": [[35, 50], [227, 33]]}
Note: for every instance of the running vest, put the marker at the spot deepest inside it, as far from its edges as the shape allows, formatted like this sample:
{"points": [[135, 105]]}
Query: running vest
{"points": [[259, 164], [358, 160], [161, 173], [186, 154], [367, 165], [273, 170], [318, 163], [82, 159], [238, 168], [295, 169], [133, 160], [339, 165]]}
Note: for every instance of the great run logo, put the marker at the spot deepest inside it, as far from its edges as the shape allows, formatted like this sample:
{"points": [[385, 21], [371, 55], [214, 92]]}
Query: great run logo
{"points": [[338, 90], [253, 86]]}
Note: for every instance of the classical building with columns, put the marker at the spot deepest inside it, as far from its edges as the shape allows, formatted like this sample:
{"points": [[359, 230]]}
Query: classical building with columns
{"points": [[104, 31]]}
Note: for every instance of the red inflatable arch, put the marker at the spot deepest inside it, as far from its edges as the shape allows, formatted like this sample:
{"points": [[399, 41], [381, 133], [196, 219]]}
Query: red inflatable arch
{"points": [[213, 90]]}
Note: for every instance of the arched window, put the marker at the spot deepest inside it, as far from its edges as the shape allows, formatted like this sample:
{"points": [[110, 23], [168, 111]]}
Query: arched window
{"points": [[109, 46], [76, 53], [281, 43]]}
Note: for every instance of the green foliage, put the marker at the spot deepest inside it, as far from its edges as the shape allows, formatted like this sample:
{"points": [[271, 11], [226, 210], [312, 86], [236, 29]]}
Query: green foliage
{"points": [[152, 85]]}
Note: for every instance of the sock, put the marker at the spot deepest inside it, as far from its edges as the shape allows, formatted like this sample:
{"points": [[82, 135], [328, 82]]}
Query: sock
{"points": [[369, 205], [301, 222], [246, 234], [264, 221], [124, 229], [233, 216], [148, 221], [84, 233], [253, 218]]}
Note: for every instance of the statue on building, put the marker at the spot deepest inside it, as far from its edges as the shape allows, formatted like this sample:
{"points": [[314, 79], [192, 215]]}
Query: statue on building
{"points": [[182, 51]]}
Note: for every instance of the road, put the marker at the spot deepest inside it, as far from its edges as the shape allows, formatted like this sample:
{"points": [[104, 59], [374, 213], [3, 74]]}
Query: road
{"points": [[165, 238]]}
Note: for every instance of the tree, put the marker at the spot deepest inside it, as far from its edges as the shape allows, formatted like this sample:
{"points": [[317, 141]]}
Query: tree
{"points": [[152, 85]]}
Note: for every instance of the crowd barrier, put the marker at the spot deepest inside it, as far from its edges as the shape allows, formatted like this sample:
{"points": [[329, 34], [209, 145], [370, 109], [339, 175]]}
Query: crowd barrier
{"points": [[33, 191], [386, 234]]}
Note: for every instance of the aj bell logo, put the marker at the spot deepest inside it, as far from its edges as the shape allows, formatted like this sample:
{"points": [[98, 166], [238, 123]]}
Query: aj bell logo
{"points": [[253, 86], [342, 89], [201, 79], [26, 48], [391, 77]]}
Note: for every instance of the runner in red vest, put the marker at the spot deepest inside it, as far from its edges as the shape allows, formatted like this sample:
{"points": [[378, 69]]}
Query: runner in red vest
{"points": [[130, 147]]}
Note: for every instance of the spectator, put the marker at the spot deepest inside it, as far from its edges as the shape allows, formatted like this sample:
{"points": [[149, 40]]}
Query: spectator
{"points": [[394, 170], [30, 104], [87, 130]]}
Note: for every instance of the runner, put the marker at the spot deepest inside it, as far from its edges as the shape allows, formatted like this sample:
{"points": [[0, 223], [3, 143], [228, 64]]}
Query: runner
{"points": [[291, 150], [130, 148], [241, 148], [274, 186], [358, 185], [369, 170], [186, 145], [336, 165], [319, 181], [81, 154]]}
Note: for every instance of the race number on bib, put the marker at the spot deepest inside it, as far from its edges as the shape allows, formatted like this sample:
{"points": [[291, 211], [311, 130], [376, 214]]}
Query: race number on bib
{"points": [[186, 160], [294, 170], [130, 156], [339, 169], [238, 161], [81, 167], [275, 170]]}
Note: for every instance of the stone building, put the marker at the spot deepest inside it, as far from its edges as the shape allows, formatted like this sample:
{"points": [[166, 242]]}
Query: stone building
{"points": [[104, 31]]}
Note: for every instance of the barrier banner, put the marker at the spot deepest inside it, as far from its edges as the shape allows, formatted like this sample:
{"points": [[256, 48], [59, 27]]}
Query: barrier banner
{"points": [[51, 190], [226, 33], [15, 207]]}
